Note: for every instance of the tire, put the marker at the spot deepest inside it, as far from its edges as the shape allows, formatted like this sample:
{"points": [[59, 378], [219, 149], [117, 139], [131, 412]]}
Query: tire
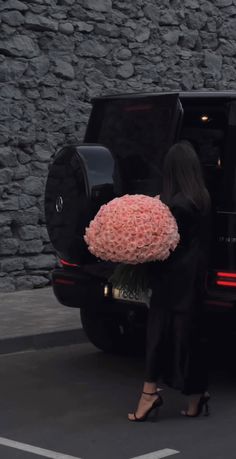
{"points": [[113, 333]]}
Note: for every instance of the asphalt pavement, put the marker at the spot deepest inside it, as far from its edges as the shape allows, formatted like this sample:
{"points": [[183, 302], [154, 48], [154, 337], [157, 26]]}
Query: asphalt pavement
{"points": [[72, 403], [61, 398], [35, 319]]}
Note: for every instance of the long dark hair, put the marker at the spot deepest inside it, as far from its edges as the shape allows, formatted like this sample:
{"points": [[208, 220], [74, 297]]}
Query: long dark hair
{"points": [[182, 172]]}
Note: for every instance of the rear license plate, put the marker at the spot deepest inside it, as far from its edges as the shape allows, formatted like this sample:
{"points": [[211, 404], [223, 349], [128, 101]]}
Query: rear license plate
{"points": [[125, 295]]}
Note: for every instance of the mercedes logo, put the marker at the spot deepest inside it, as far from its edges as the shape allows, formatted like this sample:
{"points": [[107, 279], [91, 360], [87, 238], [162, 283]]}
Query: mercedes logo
{"points": [[59, 204]]}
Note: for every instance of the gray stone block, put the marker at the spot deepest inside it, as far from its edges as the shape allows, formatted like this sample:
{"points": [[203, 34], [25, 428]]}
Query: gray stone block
{"points": [[20, 172], [41, 154], [152, 12], [26, 217], [19, 46], [169, 18], [12, 188], [126, 70], [98, 5], [7, 157], [228, 29], [44, 234], [223, 3], [11, 264], [48, 248], [142, 34], [5, 232], [66, 28], [10, 92], [5, 176], [33, 94], [41, 23], [67, 2], [33, 186], [213, 62], [11, 203], [4, 72], [40, 261], [26, 201], [8, 246], [39, 66], [7, 284], [24, 282], [29, 232], [107, 30], [172, 37], [196, 21], [84, 26], [64, 70], [128, 34], [5, 218], [39, 169], [23, 157], [30, 247], [49, 93], [13, 5], [13, 18], [92, 48], [189, 38], [28, 282], [17, 68], [124, 54]]}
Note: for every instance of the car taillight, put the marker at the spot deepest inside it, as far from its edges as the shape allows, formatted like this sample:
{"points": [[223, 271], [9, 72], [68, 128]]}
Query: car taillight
{"points": [[64, 281], [66, 263], [226, 279]]}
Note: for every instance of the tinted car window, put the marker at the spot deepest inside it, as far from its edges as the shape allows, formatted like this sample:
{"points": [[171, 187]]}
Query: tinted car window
{"points": [[138, 133]]}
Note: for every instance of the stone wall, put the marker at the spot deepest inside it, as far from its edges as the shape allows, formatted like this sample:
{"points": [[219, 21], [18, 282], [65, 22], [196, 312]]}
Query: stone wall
{"points": [[57, 54]]}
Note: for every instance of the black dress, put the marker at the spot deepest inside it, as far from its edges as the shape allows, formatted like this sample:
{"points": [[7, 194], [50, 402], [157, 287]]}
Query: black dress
{"points": [[176, 331]]}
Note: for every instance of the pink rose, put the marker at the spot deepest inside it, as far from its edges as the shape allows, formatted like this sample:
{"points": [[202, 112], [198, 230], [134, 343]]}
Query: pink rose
{"points": [[133, 229]]}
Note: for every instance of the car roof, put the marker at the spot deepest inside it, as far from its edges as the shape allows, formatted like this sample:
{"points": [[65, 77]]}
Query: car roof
{"points": [[186, 94]]}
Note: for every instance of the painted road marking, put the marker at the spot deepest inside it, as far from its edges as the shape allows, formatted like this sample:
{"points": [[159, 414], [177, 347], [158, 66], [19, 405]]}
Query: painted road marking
{"points": [[54, 455], [158, 454], [34, 450]]}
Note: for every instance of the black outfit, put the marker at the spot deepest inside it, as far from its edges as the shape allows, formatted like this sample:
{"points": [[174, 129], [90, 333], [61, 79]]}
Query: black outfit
{"points": [[176, 332]]}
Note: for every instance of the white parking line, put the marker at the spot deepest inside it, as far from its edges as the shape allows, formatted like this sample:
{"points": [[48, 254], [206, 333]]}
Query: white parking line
{"points": [[54, 455], [34, 450], [158, 454]]}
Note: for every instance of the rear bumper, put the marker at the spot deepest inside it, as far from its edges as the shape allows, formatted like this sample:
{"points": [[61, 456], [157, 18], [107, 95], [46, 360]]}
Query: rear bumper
{"points": [[77, 289]]}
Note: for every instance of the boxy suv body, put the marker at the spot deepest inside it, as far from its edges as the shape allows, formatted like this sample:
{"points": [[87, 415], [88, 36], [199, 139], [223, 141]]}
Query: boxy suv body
{"points": [[125, 143]]}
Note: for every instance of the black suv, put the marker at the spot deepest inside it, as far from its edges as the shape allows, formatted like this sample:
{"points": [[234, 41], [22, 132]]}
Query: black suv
{"points": [[126, 140]]}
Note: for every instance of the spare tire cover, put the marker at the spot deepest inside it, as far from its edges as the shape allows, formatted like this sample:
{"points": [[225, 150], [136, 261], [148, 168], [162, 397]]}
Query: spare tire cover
{"points": [[80, 180]]}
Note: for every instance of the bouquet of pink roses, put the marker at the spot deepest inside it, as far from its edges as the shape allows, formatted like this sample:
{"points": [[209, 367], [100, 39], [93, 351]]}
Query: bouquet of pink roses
{"points": [[132, 230]]}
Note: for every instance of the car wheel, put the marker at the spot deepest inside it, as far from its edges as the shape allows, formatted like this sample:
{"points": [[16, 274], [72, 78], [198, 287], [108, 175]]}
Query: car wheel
{"points": [[113, 333]]}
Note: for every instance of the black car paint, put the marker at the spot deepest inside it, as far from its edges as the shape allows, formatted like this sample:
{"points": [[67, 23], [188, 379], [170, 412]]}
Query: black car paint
{"points": [[83, 285]]}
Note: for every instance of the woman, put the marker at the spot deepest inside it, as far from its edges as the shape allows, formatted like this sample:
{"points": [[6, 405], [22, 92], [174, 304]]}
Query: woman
{"points": [[176, 345]]}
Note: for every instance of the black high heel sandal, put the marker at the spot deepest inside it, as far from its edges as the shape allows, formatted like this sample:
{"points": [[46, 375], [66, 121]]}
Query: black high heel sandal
{"points": [[201, 407], [156, 404]]}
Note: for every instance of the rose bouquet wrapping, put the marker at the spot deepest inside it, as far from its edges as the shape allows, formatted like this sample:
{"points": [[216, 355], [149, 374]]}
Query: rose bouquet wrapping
{"points": [[132, 230]]}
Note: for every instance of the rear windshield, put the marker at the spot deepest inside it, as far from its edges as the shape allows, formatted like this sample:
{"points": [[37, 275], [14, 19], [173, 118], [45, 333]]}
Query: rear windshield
{"points": [[137, 132]]}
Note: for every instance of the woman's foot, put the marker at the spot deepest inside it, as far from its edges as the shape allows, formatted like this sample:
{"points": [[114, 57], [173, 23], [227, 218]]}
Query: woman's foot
{"points": [[196, 404], [147, 402]]}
